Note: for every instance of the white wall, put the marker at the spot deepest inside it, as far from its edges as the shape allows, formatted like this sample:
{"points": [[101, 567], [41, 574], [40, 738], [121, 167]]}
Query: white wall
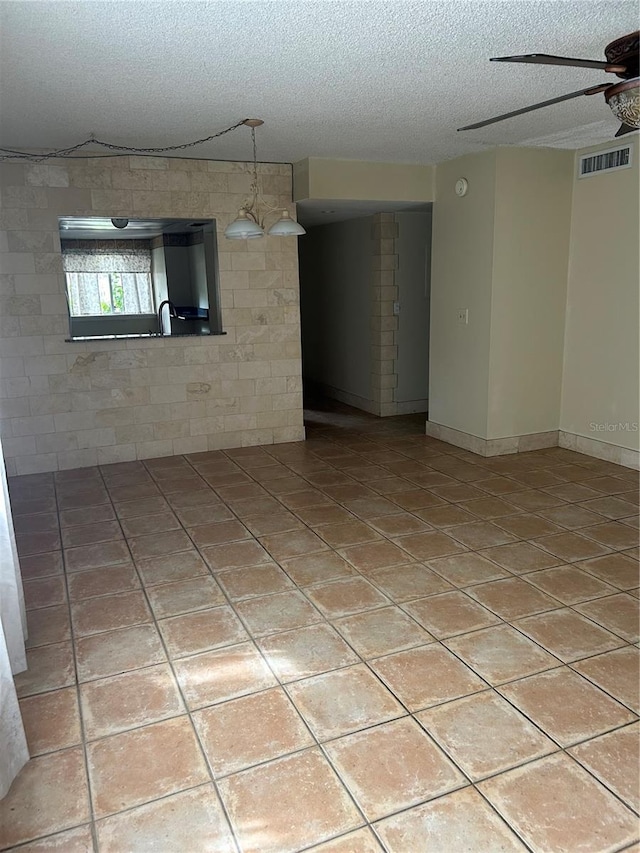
{"points": [[198, 275], [461, 277], [159, 274], [501, 252], [600, 380], [548, 266], [335, 281], [530, 262]]}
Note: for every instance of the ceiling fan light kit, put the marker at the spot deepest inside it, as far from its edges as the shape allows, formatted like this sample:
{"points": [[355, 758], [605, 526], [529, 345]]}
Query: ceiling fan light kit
{"points": [[624, 102], [622, 58], [249, 223]]}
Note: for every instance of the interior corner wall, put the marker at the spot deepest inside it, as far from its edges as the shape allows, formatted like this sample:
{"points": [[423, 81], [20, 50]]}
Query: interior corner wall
{"points": [[530, 263], [335, 293], [461, 279], [600, 398], [412, 280], [300, 171], [75, 404]]}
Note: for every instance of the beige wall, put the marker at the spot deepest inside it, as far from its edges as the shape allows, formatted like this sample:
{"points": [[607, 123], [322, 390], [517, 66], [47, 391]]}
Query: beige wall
{"points": [[501, 252], [547, 265], [600, 382], [68, 405], [461, 277], [319, 178], [530, 261]]}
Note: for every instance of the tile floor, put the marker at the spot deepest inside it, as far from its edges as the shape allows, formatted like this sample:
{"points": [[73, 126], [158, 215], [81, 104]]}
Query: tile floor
{"points": [[368, 641]]}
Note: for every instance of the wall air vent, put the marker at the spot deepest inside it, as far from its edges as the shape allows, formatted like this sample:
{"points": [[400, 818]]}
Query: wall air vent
{"points": [[604, 161]]}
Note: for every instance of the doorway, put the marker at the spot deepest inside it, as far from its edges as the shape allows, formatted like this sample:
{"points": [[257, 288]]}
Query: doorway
{"points": [[365, 294]]}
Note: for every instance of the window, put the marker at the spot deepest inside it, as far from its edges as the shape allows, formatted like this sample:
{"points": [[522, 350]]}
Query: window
{"points": [[120, 272], [103, 281]]}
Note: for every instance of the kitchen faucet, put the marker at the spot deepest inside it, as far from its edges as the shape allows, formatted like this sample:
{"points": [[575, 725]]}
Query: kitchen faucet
{"points": [[172, 313]]}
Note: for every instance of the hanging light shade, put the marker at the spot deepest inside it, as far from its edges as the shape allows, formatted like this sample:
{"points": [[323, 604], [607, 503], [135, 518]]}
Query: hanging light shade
{"points": [[286, 227], [624, 101], [250, 220], [243, 228]]}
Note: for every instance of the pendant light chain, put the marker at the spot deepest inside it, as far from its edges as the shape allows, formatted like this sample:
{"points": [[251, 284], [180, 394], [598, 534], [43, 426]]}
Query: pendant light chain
{"points": [[255, 154], [250, 221], [124, 150], [254, 185]]}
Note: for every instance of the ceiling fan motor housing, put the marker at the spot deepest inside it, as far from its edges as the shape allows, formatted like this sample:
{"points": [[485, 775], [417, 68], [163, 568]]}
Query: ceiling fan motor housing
{"points": [[625, 51], [624, 98]]}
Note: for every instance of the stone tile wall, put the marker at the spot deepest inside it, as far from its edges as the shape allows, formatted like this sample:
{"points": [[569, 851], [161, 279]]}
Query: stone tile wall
{"points": [[384, 324], [69, 405]]}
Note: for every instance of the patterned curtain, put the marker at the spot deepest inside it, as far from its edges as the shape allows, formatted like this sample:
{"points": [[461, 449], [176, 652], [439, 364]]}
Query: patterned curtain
{"points": [[104, 280]]}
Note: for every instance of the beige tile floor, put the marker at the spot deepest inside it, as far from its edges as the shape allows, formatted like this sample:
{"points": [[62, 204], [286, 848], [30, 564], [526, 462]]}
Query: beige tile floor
{"points": [[368, 641]]}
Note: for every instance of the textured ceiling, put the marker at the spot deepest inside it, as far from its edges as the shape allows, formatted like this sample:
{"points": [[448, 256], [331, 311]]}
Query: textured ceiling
{"points": [[368, 80]]}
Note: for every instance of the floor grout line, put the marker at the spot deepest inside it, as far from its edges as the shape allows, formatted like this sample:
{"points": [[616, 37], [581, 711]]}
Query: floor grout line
{"points": [[77, 685], [324, 619]]}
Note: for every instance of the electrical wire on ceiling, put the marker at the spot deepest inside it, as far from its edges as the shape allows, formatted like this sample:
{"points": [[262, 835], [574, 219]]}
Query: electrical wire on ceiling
{"points": [[119, 150]]}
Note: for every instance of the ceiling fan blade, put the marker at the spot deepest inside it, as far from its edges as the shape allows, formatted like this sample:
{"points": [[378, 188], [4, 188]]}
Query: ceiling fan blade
{"points": [[625, 128], [591, 90], [547, 59]]}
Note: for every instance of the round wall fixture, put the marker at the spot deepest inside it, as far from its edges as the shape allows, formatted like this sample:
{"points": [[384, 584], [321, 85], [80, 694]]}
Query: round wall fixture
{"points": [[462, 185]]}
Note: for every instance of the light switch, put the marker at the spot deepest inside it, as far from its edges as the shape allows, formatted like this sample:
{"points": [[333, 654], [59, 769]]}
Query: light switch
{"points": [[396, 308]]}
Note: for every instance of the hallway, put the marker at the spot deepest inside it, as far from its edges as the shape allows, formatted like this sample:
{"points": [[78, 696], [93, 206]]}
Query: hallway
{"points": [[367, 641]]}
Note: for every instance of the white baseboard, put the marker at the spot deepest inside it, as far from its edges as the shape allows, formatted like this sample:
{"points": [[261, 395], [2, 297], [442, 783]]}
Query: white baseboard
{"points": [[492, 446], [410, 407], [349, 399], [535, 441], [600, 449]]}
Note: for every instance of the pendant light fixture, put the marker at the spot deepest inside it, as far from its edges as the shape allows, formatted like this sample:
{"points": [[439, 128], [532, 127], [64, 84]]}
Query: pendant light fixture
{"points": [[249, 222], [624, 102]]}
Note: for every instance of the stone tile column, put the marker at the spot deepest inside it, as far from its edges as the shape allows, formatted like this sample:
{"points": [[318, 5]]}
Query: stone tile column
{"points": [[384, 324]]}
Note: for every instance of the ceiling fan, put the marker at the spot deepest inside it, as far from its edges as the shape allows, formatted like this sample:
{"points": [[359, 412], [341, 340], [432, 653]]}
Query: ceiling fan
{"points": [[623, 98]]}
